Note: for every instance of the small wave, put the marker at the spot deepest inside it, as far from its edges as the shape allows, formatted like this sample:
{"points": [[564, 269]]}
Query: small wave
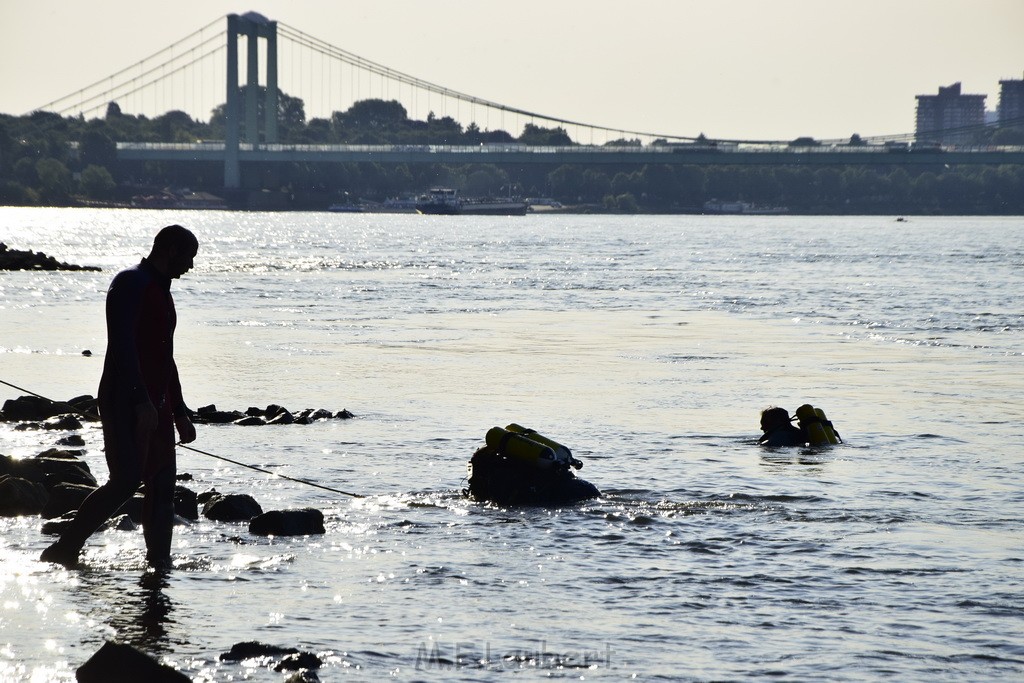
{"points": [[1007, 608], [901, 571]]}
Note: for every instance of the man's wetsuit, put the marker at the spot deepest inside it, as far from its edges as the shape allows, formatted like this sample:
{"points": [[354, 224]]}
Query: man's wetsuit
{"points": [[139, 367]]}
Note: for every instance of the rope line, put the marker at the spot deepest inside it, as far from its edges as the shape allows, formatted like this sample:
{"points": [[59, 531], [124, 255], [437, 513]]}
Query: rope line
{"points": [[94, 416]]}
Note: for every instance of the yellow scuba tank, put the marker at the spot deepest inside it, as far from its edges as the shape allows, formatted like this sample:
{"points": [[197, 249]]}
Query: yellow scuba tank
{"points": [[521, 448], [812, 425], [562, 454], [830, 432]]}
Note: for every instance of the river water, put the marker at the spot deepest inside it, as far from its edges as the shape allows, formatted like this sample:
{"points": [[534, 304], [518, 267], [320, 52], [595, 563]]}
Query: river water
{"points": [[648, 345]]}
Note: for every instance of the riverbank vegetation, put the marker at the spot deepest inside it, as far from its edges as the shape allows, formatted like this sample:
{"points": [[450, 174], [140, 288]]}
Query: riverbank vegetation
{"points": [[47, 159]]}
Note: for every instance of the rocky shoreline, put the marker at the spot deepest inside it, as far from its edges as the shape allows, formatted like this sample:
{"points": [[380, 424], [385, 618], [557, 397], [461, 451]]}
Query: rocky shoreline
{"points": [[53, 484], [16, 259]]}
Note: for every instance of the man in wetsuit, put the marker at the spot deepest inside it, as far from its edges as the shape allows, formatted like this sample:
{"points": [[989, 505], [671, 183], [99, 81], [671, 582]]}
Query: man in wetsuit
{"points": [[140, 401], [779, 429]]}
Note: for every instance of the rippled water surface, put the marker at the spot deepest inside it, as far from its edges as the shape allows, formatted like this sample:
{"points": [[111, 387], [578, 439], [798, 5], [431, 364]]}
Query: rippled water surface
{"points": [[646, 344]]}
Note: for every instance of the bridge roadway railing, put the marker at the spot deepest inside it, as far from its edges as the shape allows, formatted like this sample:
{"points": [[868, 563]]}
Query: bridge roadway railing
{"points": [[575, 154]]}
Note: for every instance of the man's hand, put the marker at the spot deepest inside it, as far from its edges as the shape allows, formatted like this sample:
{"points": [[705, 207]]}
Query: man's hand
{"points": [[186, 430]]}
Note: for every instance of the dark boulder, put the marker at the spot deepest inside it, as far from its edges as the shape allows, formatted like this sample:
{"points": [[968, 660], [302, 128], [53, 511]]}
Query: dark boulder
{"points": [[65, 498], [186, 503], [257, 417], [273, 410], [29, 408], [61, 453], [37, 408], [20, 467], [21, 497], [233, 507], [66, 423], [115, 662], [64, 471], [206, 496], [252, 649], [289, 658], [210, 415], [282, 418], [49, 470], [306, 521], [56, 527], [121, 523], [298, 661], [86, 405]]}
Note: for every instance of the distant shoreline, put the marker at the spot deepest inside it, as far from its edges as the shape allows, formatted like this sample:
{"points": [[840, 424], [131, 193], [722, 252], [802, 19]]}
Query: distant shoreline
{"points": [[579, 209]]}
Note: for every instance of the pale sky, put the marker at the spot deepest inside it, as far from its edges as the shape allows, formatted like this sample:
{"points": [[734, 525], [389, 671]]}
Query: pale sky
{"points": [[741, 69]]}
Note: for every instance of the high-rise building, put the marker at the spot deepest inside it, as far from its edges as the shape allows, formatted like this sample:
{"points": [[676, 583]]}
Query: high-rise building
{"points": [[947, 117], [1011, 102]]}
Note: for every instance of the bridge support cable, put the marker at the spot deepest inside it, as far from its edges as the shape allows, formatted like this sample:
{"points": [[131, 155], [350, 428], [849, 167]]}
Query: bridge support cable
{"points": [[375, 69], [146, 73]]}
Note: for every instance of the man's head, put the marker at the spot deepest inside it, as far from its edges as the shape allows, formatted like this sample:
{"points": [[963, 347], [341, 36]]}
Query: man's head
{"points": [[174, 249], [774, 418]]}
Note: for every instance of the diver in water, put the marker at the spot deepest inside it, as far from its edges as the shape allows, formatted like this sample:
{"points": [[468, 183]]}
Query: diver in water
{"points": [[779, 429]]}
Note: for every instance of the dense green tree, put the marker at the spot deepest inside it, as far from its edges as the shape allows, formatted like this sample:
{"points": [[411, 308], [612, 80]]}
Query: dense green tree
{"points": [[25, 171], [627, 183], [722, 183], [96, 182], [623, 142], [485, 180], [659, 185], [443, 131], [380, 114], [690, 181], [536, 135], [567, 182], [55, 182], [13, 193], [829, 183], [96, 148], [6, 147], [623, 203], [762, 186], [596, 185]]}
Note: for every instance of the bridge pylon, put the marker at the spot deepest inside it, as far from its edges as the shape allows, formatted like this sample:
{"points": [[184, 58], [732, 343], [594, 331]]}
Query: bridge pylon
{"points": [[253, 26]]}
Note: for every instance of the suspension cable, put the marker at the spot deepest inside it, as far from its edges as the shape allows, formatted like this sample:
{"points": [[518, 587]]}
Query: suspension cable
{"points": [[139, 64]]}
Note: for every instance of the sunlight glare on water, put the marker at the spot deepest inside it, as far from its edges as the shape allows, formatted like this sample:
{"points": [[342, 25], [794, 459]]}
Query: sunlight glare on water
{"points": [[648, 345]]}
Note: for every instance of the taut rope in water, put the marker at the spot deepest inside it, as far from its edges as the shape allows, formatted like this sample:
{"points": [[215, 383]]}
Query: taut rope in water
{"points": [[93, 416]]}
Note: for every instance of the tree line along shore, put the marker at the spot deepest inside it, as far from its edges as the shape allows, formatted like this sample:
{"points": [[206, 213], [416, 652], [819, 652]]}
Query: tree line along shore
{"points": [[50, 160]]}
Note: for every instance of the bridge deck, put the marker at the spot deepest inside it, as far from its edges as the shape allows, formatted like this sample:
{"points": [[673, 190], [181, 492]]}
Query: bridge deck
{"points": [[524, 154]]}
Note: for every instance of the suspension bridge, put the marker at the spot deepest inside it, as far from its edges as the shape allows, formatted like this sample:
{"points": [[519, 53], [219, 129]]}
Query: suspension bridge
{"points": [[200, 73]]}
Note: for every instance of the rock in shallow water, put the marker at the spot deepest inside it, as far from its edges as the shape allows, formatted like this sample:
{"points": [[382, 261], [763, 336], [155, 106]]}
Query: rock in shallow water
{"points": [[288, 523], [119, 662]]}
